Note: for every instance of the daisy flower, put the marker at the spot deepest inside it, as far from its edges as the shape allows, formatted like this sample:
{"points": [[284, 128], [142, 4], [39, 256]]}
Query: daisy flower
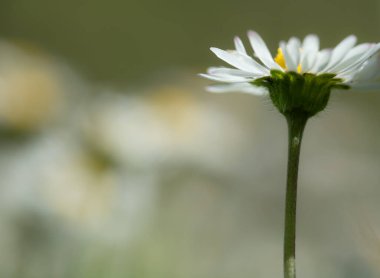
{"points": [[301, 67], [299, 80]]}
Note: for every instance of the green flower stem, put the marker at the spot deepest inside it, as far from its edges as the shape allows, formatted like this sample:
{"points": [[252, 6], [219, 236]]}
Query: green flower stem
{"points": [[296, 124]]}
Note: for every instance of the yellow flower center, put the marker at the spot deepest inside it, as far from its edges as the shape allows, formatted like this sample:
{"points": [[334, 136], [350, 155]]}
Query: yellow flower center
{"points": [[280, 60], [299, 68]]}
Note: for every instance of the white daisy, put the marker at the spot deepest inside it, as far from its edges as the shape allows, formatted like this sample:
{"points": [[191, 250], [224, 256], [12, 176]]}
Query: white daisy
{"points": [[348, 64]]}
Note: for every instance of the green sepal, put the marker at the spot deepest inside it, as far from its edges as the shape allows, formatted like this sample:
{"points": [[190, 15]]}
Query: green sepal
{"points": [[306, 93]]}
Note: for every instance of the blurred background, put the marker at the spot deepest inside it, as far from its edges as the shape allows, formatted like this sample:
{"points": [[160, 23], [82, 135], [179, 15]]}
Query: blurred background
{"points": [[114, 161]]}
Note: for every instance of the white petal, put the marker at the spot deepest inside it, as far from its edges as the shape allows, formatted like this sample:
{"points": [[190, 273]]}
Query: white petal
{"points": [[370, 70], [228, 71], [352, 57], [240, 61], [261, 50], [340, 51], [310, 47], [238, 87], [239, 46], [293, 48], [321, 60], [347, 76], [226, 78], [311, 43], [308, 60], [363, 59], [289, 61]]}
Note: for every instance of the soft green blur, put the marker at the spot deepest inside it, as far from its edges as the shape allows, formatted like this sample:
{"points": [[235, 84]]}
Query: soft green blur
{"points": [[128, 40], [114, 161]]}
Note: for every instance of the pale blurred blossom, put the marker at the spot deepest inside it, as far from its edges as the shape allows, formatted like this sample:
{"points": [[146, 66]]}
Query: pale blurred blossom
{"points": [[170, 125]]}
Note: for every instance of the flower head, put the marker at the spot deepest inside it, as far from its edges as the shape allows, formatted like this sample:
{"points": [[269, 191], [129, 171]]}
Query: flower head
{"points": [[301, 75]]}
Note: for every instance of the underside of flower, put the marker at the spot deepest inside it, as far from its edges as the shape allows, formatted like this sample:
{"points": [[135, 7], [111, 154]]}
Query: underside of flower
{"points": [[306, 93]]}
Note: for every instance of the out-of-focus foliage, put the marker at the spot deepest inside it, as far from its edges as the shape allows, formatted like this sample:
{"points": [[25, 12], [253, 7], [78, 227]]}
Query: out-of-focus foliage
{"points": [[162, 179]]}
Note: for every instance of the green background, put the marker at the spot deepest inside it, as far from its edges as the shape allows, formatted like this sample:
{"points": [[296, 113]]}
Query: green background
{"points": [[127, 41]]}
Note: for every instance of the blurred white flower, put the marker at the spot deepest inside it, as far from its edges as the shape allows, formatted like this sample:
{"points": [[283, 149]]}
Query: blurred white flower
{"points": [[167, 126]]}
